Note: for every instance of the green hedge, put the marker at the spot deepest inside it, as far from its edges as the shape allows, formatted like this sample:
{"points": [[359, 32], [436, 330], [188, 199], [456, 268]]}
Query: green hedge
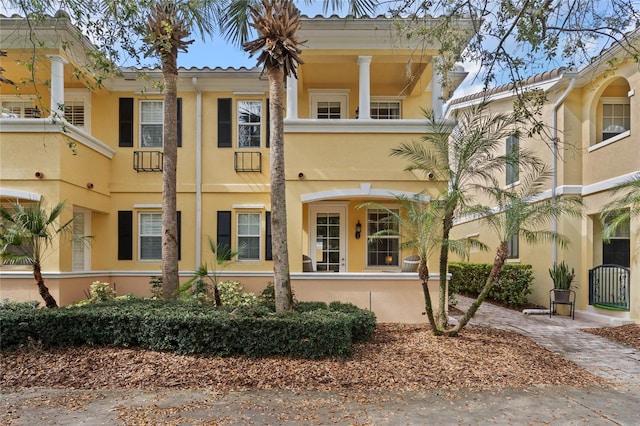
{"points": [[188, 328], [512, 289]]}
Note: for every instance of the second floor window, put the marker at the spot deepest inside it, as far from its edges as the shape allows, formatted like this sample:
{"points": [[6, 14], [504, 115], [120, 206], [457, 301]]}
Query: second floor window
{"points": [[249, 124], [151, 116], [616, 118], [19, 109], [512, 168], [74, 113], [385, 110]]}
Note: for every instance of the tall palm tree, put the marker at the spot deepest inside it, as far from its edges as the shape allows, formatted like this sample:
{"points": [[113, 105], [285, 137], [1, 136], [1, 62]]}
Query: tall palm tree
{"points": [[465, 157], [26, 235], [169, 24], [519, 213], [277, 23]]}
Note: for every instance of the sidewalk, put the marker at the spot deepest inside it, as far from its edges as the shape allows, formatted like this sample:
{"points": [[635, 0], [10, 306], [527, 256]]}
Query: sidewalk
{"points": [[560, 334]]}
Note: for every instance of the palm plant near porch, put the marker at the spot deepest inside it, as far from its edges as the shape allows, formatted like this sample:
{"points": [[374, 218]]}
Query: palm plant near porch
{"points": [[27, 235]]}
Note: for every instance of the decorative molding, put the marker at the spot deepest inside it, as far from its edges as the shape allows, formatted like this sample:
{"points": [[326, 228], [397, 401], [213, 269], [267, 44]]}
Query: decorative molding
{"points": [[364, 191], [18, 194], [47, 125], [358, 126]]}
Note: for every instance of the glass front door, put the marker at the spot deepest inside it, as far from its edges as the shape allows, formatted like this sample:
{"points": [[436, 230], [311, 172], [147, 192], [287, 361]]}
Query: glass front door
{"points": [[328, 238]]}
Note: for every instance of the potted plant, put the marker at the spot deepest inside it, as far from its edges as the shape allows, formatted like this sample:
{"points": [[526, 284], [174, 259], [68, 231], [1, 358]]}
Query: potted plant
{"points": [[562, 281]]}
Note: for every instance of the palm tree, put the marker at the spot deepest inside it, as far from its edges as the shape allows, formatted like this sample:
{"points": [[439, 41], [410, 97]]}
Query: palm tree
{"points": [[621, 209], [26, 235], [277, 23], [420, 231], [465, 157], [519, 214], [169, 24], [223, 257]]}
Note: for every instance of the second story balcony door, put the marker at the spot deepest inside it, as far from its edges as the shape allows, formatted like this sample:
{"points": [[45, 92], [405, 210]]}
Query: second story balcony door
{"points": [[328, 237]]}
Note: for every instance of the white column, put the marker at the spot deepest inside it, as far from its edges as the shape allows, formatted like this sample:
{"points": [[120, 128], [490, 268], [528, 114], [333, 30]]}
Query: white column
{"points": [[292, 97], [57, 86], [364, 106], [436, 88]]}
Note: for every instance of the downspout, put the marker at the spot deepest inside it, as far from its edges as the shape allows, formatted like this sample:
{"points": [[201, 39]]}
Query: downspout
{"points": [[198, 226], [554, 159]]}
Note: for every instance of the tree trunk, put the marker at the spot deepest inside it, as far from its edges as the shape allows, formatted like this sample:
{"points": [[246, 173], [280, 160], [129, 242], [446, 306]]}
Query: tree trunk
{"points": [[282, 279], [423, 273], [169, 169], [447, 224], [49, 301], [496, 269]]}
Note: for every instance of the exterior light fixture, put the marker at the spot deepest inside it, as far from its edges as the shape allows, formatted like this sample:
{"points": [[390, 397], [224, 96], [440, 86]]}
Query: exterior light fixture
{"points": [[358, 230]]}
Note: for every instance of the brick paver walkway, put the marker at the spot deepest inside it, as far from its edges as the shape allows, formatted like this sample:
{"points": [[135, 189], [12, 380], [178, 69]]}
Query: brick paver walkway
{"points": [[602, 357]]}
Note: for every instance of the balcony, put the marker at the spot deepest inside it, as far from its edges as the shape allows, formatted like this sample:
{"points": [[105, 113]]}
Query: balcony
{"points": [[247, 161], [147, 161]]}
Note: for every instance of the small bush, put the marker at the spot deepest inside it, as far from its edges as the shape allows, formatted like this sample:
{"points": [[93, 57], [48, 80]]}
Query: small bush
{"points": [[512, 289], [232, 295]]}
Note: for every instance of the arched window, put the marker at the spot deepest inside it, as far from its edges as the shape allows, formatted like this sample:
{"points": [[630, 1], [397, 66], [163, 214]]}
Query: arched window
{"points": [[613, 112]]}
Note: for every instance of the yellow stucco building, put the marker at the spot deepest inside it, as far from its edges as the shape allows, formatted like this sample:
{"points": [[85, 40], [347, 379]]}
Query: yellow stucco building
{"points": [[591, 114], [358, 94]]}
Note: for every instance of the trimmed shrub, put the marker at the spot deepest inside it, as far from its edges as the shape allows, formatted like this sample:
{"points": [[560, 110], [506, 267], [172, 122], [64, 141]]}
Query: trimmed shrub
{"points": [[512, 289], [189, 328]]}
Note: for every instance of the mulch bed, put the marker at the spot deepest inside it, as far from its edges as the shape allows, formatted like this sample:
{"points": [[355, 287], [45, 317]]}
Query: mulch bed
{"points": [[399, 357]]}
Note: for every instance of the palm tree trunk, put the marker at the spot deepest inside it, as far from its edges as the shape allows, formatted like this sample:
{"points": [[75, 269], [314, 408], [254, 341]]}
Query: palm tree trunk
{"points": [[496, 269], [170, 156], [49, 301], [423, 273], [447, 224], [282, 279]]}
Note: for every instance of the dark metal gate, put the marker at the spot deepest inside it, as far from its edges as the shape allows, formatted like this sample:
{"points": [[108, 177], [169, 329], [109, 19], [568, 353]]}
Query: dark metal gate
{"points": [[609, 287]]}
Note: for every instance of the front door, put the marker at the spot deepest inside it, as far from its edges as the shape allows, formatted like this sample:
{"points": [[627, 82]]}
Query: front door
{"points": [[327, 240]]}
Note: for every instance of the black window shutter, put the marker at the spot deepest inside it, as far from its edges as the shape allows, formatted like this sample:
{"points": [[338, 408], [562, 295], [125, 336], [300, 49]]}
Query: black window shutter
{"points": [[268, 255], [179, 122], [268, 124], [125, 235], [224, 123], [223, 236], [125, 125], [179, 224]]}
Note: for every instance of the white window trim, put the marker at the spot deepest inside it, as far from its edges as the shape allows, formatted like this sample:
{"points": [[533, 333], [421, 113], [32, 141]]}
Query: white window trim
{"points": [[618, 100], [84, 96], [609, 141], [329, 95], [259, 235], [139, 237], [261, 123], [140, 102]]}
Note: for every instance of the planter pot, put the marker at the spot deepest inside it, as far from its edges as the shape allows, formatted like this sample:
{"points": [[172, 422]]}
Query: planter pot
{"points": [[561, 296]]}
